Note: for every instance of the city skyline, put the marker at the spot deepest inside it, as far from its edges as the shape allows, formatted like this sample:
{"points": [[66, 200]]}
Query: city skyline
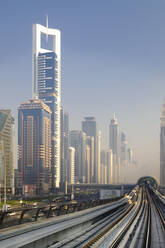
{"points": [[131, 113], [82, 123]]}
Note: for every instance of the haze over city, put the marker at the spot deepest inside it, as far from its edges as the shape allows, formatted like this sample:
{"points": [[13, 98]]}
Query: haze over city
{"points": [[82, 124], [112, 61]]}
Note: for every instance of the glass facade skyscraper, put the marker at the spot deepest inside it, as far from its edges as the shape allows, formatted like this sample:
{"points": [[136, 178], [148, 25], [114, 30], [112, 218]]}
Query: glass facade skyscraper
{"points": [[64, 144], [34, 144], [78, 141], [89, 126], [46, 79]]}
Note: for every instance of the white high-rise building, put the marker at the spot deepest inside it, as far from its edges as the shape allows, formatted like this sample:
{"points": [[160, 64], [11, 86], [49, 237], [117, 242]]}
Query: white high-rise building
{"points": [[78, 141], [129, 156], [113, 135], [98, 168], [46, 83], [113, 145], [71, 167], [110, 167], [89, 126], [123, 150], [107, 166]]}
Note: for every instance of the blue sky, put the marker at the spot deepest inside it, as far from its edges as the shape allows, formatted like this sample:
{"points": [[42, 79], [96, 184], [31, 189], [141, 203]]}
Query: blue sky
{"points": [[113, 60]]}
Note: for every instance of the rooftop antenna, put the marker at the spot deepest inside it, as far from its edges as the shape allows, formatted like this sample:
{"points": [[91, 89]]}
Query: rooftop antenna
{"points": [[47, 27], [114, 116]]}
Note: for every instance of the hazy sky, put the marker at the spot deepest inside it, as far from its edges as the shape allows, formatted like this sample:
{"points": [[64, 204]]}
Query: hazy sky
{"points": [[113, 60]]}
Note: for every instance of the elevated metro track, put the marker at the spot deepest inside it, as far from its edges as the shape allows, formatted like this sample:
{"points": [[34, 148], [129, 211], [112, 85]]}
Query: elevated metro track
{"points": [[51, 231], [143, 226], [136, 220]]}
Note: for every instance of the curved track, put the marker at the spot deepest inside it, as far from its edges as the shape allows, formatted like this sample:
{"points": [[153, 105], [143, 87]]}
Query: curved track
{"points": [[141, 225], [138, 221], [157, 224]]}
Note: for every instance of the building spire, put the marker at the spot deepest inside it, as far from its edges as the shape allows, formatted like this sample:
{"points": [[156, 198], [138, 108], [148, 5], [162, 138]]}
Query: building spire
{"points": [[114, 119]]}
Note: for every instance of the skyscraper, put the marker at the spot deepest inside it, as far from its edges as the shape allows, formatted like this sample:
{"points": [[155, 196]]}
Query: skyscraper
{"points": [[71, 166], [64, 141], [89, 126], [129, 156], [87, 164], [34, 144], [113, 135], [123, 149], [78, 141], [98, 171], [91, 146], [84, 168], [46, 80], [6, 151], [162, 146], [113, 145], [103, 156], [109, 166]]}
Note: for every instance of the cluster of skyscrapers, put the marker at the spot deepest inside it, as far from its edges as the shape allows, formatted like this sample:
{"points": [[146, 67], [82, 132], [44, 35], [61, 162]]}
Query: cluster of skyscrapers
{"points": [[91, 165], [49, 154], [39, 120], [80, 151], [116, 161]]}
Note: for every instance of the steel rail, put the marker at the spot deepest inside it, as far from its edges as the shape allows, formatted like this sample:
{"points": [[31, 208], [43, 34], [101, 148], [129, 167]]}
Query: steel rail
{"points": [[65, 218], [151, 198], [95, 228], [125, 229], [107, 229], [159, 212], [135, 238], [148, 225]]}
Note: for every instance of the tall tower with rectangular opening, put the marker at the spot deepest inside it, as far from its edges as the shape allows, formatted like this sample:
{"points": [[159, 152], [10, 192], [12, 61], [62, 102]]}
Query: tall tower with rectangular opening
{"points": [[46, 82]]}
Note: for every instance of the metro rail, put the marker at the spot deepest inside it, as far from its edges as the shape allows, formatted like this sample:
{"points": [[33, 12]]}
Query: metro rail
{"points": [[136, 220]]}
